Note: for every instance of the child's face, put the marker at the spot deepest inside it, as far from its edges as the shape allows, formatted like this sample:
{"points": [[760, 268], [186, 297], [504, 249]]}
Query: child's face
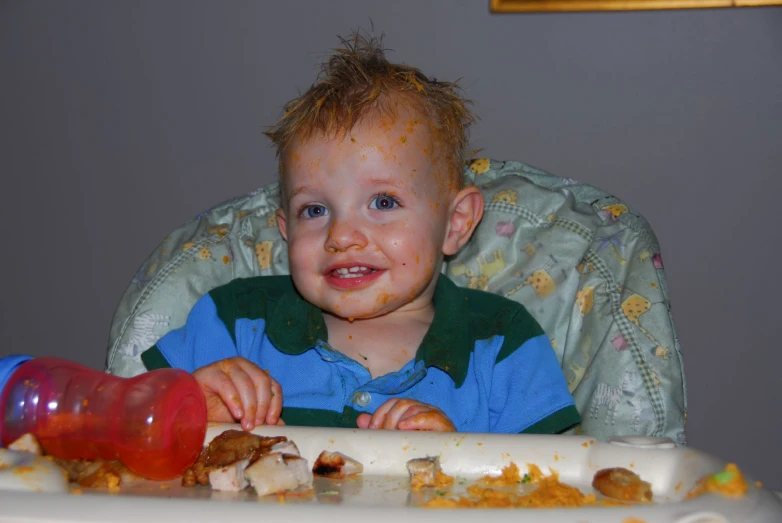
{"points": [[366, 217]]}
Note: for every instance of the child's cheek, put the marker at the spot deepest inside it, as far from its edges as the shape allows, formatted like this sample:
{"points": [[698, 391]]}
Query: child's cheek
{"points": [[303, 244]]}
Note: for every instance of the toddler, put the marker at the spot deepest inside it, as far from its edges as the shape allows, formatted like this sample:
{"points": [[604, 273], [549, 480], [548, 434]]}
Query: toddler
{"points": [[366, 331]]}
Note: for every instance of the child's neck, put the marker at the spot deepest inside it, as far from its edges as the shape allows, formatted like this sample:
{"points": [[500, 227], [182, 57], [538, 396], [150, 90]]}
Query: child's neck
{"points": [[383, 344]]}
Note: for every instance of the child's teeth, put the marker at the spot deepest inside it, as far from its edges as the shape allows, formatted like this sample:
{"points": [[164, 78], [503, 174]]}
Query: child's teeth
{"points": [[352, 272]]}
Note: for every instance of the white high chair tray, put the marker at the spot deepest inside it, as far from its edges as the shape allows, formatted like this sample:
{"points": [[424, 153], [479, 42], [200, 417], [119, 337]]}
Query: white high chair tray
{"points": [[382, 493]]}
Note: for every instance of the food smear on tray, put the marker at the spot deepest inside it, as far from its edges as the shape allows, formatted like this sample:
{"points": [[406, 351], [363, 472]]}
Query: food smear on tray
{"points": [[729, 483], [236, 460], [503, 492]]}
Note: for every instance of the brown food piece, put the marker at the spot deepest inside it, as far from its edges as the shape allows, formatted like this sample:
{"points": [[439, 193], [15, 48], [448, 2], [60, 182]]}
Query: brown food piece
{"points": [[74, 467], [225, 449], [233, 445], [197, 473], [336, 465], [620, 483], [97, 473]]}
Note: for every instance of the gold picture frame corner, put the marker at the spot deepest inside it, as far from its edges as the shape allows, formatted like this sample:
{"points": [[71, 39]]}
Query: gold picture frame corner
{"points": [[533, 6]]}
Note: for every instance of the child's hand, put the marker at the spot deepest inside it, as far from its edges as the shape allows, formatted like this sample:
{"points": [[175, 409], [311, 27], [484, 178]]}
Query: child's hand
{"points": [[238, 390], [406, 414]]}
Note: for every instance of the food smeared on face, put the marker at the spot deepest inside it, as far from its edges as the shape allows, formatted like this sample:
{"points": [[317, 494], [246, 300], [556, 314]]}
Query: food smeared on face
{"points": [[371, 204]]}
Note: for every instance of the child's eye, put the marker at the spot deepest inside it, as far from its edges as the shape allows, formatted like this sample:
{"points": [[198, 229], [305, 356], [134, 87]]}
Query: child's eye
{"points": [[313, 211], [383, 202]]}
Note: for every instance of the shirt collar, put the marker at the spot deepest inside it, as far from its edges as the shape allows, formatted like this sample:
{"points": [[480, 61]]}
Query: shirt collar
{"points": [[294, 326]]}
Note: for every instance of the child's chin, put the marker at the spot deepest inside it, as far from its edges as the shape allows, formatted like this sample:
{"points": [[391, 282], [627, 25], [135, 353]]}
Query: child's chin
{"points": [[358, 314]]}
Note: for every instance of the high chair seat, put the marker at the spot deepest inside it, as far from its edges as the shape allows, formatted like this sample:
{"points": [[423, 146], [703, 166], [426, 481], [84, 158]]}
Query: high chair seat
{"points": [[583, 263]]}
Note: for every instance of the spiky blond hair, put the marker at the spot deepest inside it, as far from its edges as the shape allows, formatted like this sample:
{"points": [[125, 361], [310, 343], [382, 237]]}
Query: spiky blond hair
{"points": [[358, 81]]}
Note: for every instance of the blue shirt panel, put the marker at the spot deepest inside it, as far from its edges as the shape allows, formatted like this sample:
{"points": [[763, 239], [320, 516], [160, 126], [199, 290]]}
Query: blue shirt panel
{"points": [[524, 388]]}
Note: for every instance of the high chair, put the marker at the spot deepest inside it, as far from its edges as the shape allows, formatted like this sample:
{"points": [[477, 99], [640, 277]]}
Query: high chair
{"points": [[583, 263]]}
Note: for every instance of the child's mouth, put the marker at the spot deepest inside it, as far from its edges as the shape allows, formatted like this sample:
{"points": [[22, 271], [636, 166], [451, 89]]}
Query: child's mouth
{"points": [[355, 277], [352, 272]]}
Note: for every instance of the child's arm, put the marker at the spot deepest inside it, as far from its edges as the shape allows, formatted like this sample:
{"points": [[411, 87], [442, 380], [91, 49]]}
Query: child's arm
{"points": [[406, 414], [237, 389], [529, 392]]}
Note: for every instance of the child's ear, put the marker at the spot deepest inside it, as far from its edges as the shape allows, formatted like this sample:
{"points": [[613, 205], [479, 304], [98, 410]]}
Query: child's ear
{"points": [[466, 212], [282, 225]]}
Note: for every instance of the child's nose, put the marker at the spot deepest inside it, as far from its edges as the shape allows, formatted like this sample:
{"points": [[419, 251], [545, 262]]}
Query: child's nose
{"points": [[343, 236]]}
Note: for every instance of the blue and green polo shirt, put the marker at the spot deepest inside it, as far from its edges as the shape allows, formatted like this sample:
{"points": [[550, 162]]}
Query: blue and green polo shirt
{"points": [[484, 360]]}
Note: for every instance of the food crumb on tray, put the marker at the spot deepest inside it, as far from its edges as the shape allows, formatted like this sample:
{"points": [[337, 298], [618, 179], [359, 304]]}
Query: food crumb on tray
{"points": [[336, 465], [425, 472], [729, 482], [622, 484]]}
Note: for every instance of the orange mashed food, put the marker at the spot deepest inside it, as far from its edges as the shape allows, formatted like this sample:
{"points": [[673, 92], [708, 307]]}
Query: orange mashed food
{"points": [[729, 483], [502, 492], [441, 479]]}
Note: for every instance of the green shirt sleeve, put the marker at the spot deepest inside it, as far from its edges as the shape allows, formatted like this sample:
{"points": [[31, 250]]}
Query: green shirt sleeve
{"points": [[154, 359], [556, 423]]}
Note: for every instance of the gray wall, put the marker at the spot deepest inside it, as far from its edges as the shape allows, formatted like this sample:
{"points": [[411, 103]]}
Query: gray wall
{"points": [[121, 120]]}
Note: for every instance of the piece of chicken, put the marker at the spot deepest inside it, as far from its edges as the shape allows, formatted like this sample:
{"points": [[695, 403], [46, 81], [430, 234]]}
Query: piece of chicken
{"points": [[229, 477], [336, 465], [277, 472], [286, 447], [227, 449], [423, 471]]}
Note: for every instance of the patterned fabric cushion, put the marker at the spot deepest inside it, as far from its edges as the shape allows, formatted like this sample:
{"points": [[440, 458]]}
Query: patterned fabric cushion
{"points": [[584, 264]]}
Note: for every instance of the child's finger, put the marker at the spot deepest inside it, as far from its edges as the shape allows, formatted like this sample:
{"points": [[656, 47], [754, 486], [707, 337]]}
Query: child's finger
{"points": [[275, 405], [429, 420], [379, 416], [215, 382], [402, 410], [246, 394], [263, 393], [392, 411], [363, 420]]}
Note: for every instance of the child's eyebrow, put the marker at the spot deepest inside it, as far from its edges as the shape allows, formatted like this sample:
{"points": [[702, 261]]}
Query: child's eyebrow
{"points": [[389, 181], [301, 189]]}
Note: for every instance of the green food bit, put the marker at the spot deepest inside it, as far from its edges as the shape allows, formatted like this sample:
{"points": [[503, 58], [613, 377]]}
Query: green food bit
{"points": [[526, 478], [723, 477]]}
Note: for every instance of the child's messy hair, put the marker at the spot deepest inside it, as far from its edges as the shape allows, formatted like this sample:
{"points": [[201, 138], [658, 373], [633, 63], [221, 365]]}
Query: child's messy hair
{"points": [[358, 80]]}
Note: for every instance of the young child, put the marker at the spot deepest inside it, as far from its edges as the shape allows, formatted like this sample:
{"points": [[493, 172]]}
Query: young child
{"points": [[366, 331]]}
